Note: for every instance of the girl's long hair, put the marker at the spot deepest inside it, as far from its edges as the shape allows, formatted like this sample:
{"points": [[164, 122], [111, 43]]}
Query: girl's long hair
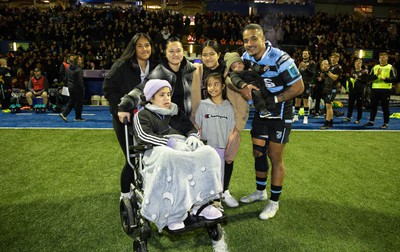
{"points": [[219, 77], [130, 50]]}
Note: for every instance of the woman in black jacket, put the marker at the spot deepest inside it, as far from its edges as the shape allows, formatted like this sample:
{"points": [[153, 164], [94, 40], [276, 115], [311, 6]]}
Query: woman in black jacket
{"points": [[125, 74]]}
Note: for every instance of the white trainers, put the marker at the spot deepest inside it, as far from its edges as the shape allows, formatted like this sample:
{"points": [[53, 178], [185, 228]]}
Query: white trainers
{"points": [[176, 226], [229, 200], [270, 210], [255, 196], [295, 118], [210, 212], [305, 120]]}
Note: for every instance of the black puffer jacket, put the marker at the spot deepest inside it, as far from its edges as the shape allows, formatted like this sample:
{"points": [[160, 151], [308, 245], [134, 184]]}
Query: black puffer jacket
{"points": [[163, 72], [123, 77]]}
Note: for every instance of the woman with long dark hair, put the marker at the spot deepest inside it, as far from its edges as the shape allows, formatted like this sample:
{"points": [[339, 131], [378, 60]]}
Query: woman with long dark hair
{"points": [[125, 74]]}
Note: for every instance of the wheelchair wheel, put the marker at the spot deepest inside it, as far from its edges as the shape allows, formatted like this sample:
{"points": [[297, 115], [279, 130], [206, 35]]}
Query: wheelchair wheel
{"points": [[215, 232], [139, 246], [127, 215]]}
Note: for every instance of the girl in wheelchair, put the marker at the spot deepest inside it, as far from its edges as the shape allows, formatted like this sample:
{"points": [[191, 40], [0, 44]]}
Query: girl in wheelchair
{"points": [[181, 175]]}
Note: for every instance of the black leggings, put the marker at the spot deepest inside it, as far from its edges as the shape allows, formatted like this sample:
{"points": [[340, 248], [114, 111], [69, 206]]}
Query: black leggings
{"points": [[227, 175], [355, 99], [127, 172]]}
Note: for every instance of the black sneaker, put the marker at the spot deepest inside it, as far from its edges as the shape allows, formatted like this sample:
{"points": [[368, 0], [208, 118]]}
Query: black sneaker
{"points": [[346, 119], [369, 124], [325, 126], [384, 126], [79, 120], [63, 117]]}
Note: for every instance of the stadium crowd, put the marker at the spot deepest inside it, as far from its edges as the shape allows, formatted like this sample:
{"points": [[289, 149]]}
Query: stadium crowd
{"points": [[100, 35]]}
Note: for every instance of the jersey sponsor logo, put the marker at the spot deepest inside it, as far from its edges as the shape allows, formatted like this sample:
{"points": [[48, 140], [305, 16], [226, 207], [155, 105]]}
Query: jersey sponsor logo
{"points": [[293, 71]]}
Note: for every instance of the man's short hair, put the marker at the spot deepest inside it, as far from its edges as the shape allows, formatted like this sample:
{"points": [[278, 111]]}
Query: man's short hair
{"points": [[383, 54], [253, 27]]}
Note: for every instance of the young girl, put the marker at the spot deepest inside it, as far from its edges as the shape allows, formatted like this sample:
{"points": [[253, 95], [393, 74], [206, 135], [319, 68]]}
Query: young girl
{"points": [[216, 119], [180, 173]]}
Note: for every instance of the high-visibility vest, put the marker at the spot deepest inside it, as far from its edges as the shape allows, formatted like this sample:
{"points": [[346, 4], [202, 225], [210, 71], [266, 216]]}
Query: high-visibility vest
{"points": [[385, 73], [349, 82]]}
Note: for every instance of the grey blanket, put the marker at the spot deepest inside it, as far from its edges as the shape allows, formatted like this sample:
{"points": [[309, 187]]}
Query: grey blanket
{"points": [[176, 180]]}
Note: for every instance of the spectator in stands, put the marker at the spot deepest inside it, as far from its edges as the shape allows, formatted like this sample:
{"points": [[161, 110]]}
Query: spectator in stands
{"points": [[272, 29], [37, 87], [127, 72], [51, 68], [63, 69], [21, 81], [76, 89], [106, 34], [165, 33], [383, 76]]}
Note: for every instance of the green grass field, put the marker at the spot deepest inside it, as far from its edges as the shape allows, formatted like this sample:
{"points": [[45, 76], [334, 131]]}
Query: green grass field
{"points": [[60, 192]]}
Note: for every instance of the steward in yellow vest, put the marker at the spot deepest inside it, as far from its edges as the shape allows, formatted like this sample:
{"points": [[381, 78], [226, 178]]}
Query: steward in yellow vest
{"points": [[385, 76], [382, 76]]}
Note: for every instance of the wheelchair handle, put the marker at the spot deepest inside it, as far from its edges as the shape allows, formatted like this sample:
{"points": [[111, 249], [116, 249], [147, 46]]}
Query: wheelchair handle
{"points": [[125, 120]]}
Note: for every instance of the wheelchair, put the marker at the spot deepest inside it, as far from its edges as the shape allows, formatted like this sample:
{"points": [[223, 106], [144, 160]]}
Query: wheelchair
{"points": [[133, 223]]}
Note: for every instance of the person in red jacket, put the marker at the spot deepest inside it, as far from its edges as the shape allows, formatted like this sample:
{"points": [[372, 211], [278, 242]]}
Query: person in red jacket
{"points": [[37, 86]]}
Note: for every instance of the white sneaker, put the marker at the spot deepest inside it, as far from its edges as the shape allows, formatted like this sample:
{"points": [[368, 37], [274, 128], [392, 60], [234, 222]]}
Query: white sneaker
{"points": [[176, 226], [255, 196], [305, 121], [229, 200], [210, 212], [270, 210], [295, 118]]}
